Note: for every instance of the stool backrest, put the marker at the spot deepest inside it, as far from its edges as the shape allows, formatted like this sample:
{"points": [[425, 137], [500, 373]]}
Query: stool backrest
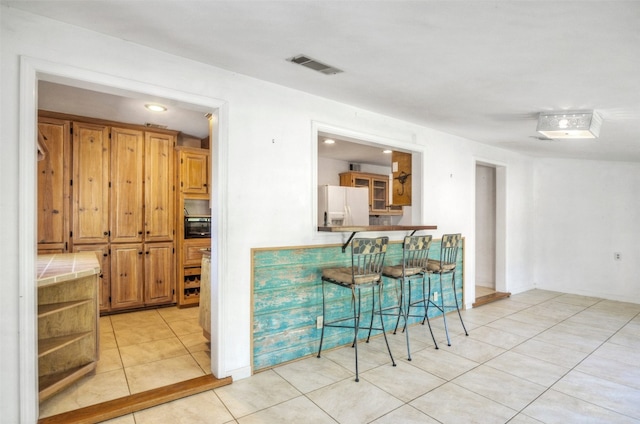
{"points": [[449, 248], [367, 255], [415, 251]]}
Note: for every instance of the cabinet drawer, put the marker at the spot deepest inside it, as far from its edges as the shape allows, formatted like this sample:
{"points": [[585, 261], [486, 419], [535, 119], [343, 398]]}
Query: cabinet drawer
{"points": [[192, 255], [192, 271]]}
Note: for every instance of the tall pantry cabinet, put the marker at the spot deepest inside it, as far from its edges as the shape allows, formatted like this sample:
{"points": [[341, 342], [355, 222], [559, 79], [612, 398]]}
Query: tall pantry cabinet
{"points": [[53, 185], [122, 208]]}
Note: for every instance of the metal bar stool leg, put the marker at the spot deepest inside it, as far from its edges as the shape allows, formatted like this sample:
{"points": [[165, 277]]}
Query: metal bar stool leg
{"points": [[444, 314], [384, 333], [373, 308], [426, 295], [455, 296], [405, 311], [400, 308]]}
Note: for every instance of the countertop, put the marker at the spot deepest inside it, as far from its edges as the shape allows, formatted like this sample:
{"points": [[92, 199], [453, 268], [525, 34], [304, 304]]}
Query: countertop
{"points": [[206, 252], [357, 229], [59, 267]]}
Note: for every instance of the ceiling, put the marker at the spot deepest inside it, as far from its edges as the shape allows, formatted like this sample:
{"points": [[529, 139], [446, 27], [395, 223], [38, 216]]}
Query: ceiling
{"points": [[482, 70]]}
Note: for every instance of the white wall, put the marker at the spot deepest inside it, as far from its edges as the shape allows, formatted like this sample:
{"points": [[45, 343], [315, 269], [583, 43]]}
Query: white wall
{"points": [[584, 212], [270, 187]]}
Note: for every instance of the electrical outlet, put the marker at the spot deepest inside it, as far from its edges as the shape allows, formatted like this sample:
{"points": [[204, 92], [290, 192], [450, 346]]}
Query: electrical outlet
{"points": [[617, 256], [319, 322], [435, 296]]}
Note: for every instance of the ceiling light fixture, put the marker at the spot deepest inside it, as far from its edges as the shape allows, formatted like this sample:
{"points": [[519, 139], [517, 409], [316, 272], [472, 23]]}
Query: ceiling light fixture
{"points": [[154, 107], [569, 124], [329, 141], [386, 151]]}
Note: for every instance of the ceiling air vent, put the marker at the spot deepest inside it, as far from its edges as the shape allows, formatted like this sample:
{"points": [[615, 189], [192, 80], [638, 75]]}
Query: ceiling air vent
{"points": [[306, 61]]}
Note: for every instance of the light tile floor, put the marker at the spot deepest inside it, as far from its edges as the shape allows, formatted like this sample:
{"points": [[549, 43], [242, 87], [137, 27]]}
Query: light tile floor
{"points": [[139, 351], [536, 357]]}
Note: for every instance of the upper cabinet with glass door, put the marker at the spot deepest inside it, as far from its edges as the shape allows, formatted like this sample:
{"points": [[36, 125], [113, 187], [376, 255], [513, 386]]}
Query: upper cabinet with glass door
{"points": [[378, 186]]}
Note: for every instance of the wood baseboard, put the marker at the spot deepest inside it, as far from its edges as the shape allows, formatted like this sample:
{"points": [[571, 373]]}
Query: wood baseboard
{"points": [[137, 402], [483, 300]]}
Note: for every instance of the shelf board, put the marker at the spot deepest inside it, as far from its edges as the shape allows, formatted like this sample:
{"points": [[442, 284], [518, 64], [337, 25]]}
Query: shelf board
{"points": [[192, 285], [50, 384], [46, 346], [51, 308]]}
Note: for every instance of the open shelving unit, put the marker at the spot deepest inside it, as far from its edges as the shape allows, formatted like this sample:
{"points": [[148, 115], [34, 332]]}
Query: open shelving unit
{"points": [[67, 319]]}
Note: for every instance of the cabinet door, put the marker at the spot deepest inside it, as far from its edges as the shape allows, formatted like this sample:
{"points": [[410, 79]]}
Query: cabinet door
{"points": [[159, 277], [53, 185], [194, 174], [90, 184], [127, 148], [102, 253], [127, 284], [159, 194], [379, 194]]}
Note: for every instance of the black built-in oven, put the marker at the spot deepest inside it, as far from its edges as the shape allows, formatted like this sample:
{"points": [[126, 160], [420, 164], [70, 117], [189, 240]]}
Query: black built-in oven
{"points": [[197, 227]]}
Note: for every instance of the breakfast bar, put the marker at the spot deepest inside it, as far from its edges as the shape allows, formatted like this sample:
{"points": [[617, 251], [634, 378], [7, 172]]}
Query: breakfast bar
{"points": [[373, 228], [287, 293]]}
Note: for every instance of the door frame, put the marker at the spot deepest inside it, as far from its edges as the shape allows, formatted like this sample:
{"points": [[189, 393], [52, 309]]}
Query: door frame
{"points": [[33, 70], [501, 226]]}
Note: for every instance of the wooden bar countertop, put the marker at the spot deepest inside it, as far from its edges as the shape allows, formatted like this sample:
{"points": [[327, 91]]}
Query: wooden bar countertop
{"points": [[357, 229]]}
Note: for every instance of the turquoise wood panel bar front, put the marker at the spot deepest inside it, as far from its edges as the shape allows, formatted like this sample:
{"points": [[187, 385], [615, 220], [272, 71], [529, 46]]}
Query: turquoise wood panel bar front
{"points": [[287, 299]]}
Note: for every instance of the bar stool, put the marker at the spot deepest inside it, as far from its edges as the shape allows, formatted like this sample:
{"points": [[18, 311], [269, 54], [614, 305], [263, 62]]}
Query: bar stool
{"points": [[367, 260], [415, 252], [443, 266]]}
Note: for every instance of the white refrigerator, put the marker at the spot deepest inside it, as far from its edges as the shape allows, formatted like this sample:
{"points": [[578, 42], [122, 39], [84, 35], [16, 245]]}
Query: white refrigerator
{"points": [[343, 206]]}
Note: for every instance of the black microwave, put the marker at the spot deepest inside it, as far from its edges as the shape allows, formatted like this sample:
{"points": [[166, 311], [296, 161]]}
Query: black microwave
{"points": [[197, 227]]}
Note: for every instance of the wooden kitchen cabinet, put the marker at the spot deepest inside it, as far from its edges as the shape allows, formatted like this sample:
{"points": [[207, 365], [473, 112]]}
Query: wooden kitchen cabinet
{"points": [[90, 191], [54, 177], [159, 273], [132, 264], [127, 185], [120, 200], [378, 186], [142, 211], [192, 178], [159, 195], [189, 263], [104, 282], [127, 288], [193, 251], [194, 170]]}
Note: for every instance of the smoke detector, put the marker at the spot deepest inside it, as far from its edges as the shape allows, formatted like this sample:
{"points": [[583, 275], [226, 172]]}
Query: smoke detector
{"points": [[310, 63]]}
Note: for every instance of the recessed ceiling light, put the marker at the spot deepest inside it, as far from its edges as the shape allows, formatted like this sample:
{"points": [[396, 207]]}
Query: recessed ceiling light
{"points": [[154, 107], [329, 141], [386, 151]]}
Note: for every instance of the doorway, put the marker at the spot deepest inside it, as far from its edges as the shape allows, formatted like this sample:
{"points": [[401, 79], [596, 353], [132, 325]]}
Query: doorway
{"points": [[489, 245], [33, 71]]}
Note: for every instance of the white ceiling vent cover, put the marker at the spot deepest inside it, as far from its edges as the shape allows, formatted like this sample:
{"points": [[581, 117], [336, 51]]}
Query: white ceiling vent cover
{"points": [[314, 64]]}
